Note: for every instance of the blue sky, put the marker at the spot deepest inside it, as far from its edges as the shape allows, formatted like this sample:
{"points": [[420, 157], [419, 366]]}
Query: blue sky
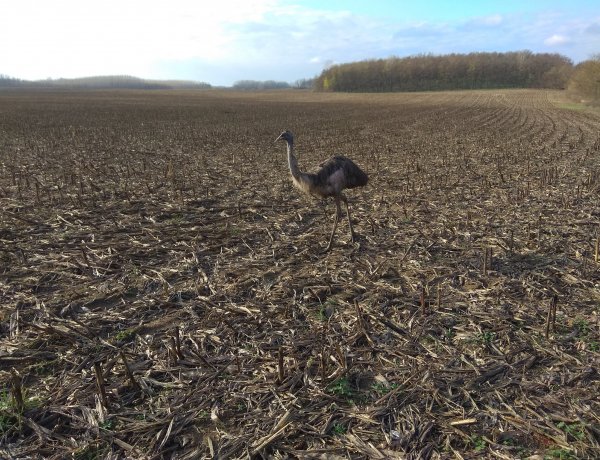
{"points": [[222, 41]]}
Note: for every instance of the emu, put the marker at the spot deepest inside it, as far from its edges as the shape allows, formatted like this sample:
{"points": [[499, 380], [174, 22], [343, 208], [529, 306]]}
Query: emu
{"points": [[335, 175]]}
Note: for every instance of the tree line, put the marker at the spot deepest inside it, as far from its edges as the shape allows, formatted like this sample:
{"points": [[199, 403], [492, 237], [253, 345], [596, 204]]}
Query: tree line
{"points": [[9, 82], [585, 81], [520, 69], [252, 85], [102, 82], [129, 82]]}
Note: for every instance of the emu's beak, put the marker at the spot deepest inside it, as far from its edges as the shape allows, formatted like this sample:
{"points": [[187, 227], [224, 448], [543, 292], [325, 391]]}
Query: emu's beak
{"points": [[279, 138]]}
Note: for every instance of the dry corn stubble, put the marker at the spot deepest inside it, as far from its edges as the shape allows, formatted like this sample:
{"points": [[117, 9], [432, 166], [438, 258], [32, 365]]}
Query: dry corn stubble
{"points": [[155, 259]]}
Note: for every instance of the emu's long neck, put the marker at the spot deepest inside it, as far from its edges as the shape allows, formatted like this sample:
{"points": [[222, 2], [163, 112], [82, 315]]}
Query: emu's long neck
{"points": [[301, 180], [293, 162]]}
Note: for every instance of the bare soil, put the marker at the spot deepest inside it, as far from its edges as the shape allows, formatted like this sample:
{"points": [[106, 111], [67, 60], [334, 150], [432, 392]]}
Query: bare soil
{"points": [[164, 291]]}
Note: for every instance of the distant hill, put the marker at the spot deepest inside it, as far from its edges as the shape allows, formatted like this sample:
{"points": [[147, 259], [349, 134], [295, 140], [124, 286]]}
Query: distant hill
{"points": [[102, 82]]}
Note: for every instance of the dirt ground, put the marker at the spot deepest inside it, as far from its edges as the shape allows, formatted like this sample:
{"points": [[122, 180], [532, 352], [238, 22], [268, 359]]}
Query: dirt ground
{"points": [[164, 291]]}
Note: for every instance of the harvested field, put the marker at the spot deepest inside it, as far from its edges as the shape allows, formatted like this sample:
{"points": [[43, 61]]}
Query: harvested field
{"points": [[164, 291]]}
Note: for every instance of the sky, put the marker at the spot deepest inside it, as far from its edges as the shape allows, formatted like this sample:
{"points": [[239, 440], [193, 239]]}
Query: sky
{"points": [[224, 41]]}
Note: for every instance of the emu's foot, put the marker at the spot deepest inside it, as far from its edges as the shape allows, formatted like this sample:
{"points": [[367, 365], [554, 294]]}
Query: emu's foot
{"points": [[327, 249], [355, 237], [329, 245]]}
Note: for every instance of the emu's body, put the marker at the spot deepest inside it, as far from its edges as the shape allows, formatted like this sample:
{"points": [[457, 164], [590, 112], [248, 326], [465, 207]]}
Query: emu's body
{"points": [[335, 175]]}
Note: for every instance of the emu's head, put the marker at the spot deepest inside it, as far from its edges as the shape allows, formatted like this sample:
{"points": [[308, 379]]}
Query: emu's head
{"points": [[286, 136]]}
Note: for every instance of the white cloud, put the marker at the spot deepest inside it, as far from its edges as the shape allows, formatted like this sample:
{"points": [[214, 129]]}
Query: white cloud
{"points": [[556, 39], [74, 37], [593, 29], [492, 20]]}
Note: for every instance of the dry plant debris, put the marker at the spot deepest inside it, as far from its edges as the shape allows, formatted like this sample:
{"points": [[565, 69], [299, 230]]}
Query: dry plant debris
{"points": [[163, 291]]}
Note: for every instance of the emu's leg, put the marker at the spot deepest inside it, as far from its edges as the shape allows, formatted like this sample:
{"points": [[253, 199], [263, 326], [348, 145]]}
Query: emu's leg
{"points": [[338, 212], [349, 220]]}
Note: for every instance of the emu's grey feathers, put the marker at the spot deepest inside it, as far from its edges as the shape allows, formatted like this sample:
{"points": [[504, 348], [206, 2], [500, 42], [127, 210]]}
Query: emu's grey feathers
{"points": [[352, 175], [335, 175]]}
